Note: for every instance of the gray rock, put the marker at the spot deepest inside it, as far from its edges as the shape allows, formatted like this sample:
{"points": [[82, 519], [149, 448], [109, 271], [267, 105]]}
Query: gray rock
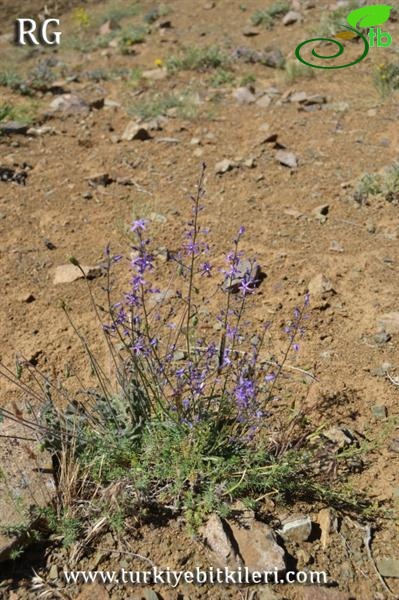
{"points": [[291, 17], [293, 212], [258, 547], [379, 411], [27, 298], [273, 58], [316, 592], [389, 322], [328, 522], [250, 31], [224, 166], [134, 131], [388, 567], [298, 97], [109, 26], [155, 74], [99, 179], [264, 101], [288, 159], [244, 269], [394, 446], [40, 131], [53, 572], [340, 436], [243, 95], [335, 246], [69, 104], [315, 99], [151, 595], [320, 286], [217, 538], [250, 163], [321, 212], [382, 338], [266, 593], [69, 273], [296, 530], [14, 128]]}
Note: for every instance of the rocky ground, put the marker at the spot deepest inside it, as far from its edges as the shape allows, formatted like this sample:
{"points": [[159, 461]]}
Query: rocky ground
{"points": [[103, 131]]}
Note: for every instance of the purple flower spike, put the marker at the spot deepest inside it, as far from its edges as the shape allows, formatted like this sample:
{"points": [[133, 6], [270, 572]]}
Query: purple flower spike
{"points": [[138, 225]]}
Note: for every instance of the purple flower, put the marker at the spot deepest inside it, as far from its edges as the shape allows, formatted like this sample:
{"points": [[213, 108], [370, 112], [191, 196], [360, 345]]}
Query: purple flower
{"points": [[138, 347], [270, 377], [138, 225], [143, 263], [247, 285], [206, 269], [245, 392]]}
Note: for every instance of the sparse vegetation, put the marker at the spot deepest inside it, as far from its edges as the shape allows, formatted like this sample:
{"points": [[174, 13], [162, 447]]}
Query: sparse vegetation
{"points": [[268, 16], [295, 70], [24, 113], [386, 78], [384, 183], [185, 105], [222, 77], [116, 12], [198, 59], [130, 37], [331, 22]]}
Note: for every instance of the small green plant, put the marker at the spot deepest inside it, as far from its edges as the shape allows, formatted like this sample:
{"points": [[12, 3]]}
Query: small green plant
{"points": [[268, 16], [156, 13], [295, 70], [22, 113], [386, 78], [331, 22], [118, 11], [81, 18], [130, 37], [222, 77], [248, 80], [198, 59], [184, 104], [5, 111], [384, 183], [15, 82], [98, 75]]}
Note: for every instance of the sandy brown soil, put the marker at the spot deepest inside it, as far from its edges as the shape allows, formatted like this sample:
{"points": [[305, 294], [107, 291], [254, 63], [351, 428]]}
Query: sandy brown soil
{"points": [[356, 247]]}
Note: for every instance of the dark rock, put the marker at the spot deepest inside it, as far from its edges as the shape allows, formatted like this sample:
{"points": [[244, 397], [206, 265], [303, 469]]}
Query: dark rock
{"points": [[14, 127], [7, 174]]}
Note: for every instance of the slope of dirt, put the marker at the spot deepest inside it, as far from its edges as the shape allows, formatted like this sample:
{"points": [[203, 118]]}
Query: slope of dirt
{"points": [[354, 245]]}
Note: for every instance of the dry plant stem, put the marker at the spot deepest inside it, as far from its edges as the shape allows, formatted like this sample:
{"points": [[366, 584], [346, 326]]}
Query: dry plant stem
{"points": [[200, 191], [367, 543]]}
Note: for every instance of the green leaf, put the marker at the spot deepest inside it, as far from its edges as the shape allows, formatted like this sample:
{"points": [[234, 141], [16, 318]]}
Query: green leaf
{"points": [[369, 16]]}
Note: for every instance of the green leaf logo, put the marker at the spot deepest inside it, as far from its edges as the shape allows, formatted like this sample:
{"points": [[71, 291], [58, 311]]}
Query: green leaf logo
{"points": [[369, 16]]}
